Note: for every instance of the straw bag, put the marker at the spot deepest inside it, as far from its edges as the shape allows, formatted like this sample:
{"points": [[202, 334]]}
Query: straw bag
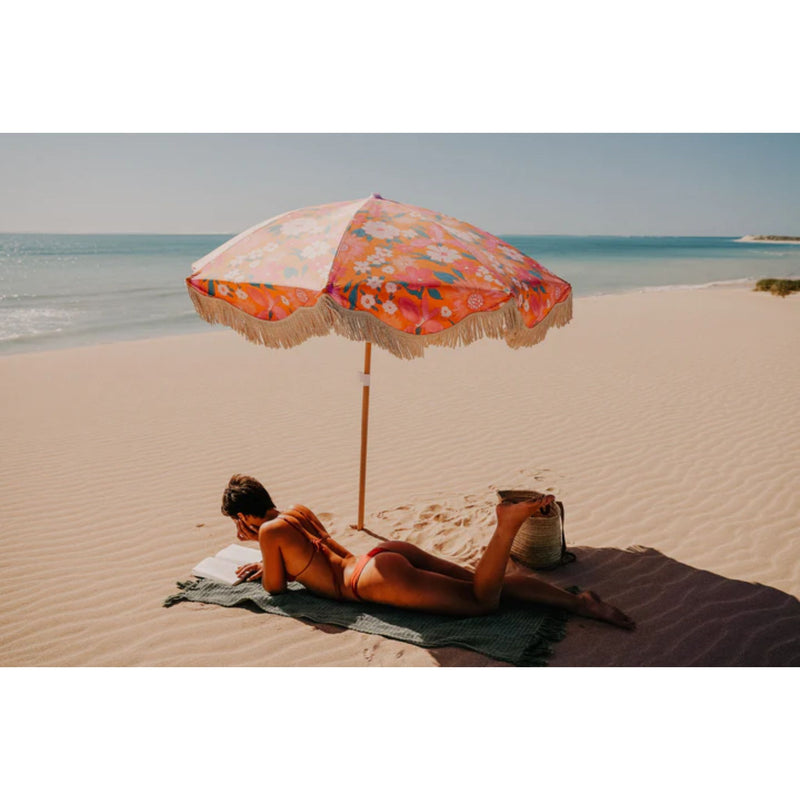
{"points": [[539, 543]]}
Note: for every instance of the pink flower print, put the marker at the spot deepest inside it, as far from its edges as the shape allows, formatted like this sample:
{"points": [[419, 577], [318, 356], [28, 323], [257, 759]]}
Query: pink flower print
{"points": [[415, 274], [421, 314], [301, 295], [353, 247], [474, 301], [367, 300]]}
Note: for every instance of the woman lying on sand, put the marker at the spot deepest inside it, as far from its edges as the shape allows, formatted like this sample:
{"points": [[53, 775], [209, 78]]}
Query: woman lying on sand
{"points": [[296, 547]]}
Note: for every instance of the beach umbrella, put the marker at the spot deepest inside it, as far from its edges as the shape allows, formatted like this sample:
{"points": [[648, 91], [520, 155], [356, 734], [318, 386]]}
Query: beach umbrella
{"points": [[374, 270]]}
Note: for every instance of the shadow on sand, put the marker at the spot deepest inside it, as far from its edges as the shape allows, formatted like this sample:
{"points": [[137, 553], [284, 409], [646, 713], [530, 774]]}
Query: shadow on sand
{"points": [[686, 617]]}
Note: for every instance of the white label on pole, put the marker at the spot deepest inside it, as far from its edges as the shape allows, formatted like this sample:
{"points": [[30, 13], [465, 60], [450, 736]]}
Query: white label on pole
{"points": [[364, 378]]}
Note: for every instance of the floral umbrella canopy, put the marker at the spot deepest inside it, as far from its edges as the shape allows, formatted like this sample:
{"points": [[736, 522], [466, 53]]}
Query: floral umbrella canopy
{"points": [[381, 272]]}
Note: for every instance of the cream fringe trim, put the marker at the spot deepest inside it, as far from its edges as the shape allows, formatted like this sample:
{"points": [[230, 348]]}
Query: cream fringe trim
{"points": [[326, 316]]}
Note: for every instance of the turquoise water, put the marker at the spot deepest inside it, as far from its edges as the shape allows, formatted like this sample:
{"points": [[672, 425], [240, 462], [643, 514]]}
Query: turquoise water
{"points": [[70, 290]]}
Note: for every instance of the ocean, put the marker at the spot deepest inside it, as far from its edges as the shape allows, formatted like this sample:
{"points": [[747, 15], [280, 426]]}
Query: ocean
{"points": [[59, 290]]}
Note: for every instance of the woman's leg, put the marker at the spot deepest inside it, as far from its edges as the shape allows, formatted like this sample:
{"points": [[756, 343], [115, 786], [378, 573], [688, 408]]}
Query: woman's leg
{"points": [[517, 588], [430, 563], [392, 579]]}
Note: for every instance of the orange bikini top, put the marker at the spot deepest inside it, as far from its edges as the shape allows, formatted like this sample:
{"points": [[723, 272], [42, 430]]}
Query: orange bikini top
{"points": [[305, 521]]}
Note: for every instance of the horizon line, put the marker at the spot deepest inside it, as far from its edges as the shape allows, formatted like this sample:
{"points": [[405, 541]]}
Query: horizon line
{"points": [[500, 236]]}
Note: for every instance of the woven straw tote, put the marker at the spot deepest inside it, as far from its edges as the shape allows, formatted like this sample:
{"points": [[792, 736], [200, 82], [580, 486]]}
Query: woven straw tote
{"points": [[539, 543]]}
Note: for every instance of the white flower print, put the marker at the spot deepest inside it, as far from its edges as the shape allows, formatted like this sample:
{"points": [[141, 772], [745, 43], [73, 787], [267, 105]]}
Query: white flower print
{"points": [[297, 227], [474, 301], [410, 233], [285, 301], [271, 247], [374, 282], [234, 274], [383, 253], [514, 255], [360, 267], [465, 236], [241, 294], [376, 259], [301, 295], [444, 255], [526, 305], [223, 290], [389, 307], [391, 287], [380, 230], [367, 300], [388, 269], [446, 312], [314, 249]]}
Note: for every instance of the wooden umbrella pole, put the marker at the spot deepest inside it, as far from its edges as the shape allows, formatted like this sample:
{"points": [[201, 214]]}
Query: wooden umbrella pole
{"points": [[362, 480]]}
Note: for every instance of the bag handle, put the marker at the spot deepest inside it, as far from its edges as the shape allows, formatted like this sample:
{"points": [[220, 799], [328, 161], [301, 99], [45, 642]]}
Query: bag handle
{"points": [[566, 557]]}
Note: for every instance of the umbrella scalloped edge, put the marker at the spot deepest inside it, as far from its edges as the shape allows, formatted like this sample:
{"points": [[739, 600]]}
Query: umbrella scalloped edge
{"points": [[326, 317]]}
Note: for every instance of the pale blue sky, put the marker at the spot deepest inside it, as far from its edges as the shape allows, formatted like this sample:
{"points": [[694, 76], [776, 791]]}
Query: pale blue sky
{"points": [[668, 184]]}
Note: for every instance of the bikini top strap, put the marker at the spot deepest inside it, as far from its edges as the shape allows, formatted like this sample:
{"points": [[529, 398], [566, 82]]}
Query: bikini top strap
{"points": [[305, 521]]}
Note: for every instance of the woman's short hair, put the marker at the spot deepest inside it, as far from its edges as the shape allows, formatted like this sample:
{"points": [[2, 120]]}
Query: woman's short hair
{"points": [[245, 495]]}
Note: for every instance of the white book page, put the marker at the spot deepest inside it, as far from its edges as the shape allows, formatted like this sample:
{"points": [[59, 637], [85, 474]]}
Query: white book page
{"points": [[217, 569]]}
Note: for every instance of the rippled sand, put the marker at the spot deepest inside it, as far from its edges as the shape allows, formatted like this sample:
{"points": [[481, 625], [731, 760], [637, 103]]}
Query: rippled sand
{"points": [[666, 422]]}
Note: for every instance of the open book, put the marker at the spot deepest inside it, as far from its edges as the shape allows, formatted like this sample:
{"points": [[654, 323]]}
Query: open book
{"points": [[222, 566]]}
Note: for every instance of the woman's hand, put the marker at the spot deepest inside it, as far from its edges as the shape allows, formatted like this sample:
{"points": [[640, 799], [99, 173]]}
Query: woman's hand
{"points": [[250, 572], [245, 532]]}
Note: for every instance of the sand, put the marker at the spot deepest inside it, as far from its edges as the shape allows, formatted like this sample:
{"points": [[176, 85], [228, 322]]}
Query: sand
{"points": [[666, 422]]}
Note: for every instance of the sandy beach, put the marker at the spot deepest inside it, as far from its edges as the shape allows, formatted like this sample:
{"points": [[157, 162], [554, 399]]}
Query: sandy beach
{"points": [[666, 422]]}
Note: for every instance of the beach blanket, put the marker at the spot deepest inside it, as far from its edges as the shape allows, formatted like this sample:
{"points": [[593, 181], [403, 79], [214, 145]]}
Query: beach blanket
{"points": [[520, 636]]}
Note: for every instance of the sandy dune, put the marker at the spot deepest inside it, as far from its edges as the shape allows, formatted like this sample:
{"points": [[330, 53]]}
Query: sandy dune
{"points": [[665, 421]]}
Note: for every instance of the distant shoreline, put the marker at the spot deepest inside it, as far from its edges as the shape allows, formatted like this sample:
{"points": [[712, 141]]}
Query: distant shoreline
{"points": [[771, 239]]}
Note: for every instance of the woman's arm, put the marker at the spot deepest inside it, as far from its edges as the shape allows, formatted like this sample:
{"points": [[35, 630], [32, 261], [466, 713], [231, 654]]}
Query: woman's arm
{"points": [[273, 578], [336, 547], [322, 533]]}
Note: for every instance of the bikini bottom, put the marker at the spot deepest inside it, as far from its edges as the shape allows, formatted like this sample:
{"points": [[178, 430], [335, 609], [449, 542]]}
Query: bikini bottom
{"points": [[360, 564]]}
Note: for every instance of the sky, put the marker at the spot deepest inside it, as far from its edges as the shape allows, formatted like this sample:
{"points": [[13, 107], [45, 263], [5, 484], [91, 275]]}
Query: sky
{"points": [[507, 183]]}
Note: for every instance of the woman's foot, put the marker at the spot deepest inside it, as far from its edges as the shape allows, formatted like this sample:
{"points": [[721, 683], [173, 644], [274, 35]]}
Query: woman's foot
{"points": [[592, 606], [515, 512]]}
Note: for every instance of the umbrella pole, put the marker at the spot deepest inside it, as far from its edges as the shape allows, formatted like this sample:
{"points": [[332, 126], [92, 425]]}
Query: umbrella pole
{"points": [[362, 480]]}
